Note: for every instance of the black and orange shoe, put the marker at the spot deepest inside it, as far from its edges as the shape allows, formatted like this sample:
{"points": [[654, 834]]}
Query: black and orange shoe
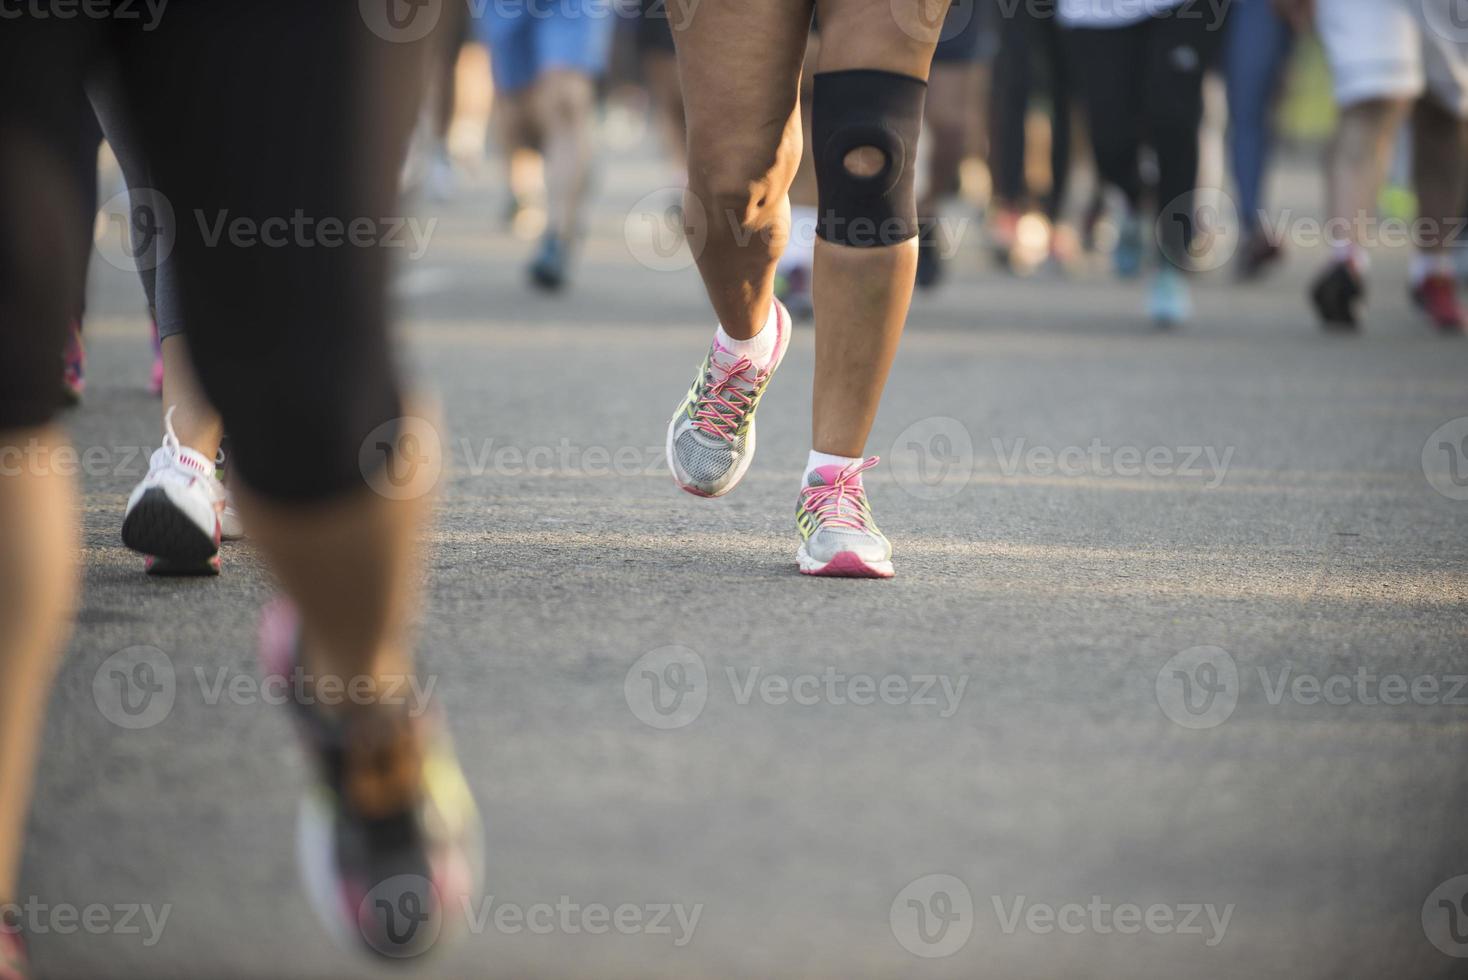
{"points": [[389, 841]]}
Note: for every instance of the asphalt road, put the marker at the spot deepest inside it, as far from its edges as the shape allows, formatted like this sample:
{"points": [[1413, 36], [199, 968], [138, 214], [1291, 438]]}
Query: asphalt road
{"points": [[1075, 501]]}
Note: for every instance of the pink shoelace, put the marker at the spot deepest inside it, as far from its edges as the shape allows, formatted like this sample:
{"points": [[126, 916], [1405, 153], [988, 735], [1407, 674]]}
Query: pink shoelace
{"points": [[725, 402], [842, 503]]}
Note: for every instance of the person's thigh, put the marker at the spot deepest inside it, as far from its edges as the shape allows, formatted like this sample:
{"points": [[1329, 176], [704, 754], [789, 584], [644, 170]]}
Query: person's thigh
{"points": [[276, 131], [42, 210], [1374, 48], [898, 36], [740, 61]]}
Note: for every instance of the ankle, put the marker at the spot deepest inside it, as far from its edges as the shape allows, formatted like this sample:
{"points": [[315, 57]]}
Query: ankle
{"points": [[759, 348], [816, 460]]}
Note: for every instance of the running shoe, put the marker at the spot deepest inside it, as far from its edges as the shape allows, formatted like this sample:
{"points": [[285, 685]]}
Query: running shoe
{"points": [[1338, 295], [155, 382], [1169, 301], [173, 515], [1437, 296], [74, 366], [711, 437], [13, 959], [1258, 255], [548, 270], [1126, 258], [838, 536], [389, 842]]}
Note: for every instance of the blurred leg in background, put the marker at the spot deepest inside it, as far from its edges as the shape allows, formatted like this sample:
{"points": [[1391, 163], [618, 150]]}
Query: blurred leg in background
{"points": [[1156, 64], [1256, 51], [1391, 62], [178, 513], [957, 81], [1033, 63], [547, 62], [441, 182]]}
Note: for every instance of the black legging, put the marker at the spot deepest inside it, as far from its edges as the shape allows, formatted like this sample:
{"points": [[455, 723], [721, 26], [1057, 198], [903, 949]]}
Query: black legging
{"points": [[264, 111], [1143, 84], [1029, 53]]}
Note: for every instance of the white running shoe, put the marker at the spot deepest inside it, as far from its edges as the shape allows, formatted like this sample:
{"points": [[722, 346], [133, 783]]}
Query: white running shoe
{"points": [[231, 528], [173, 516]]}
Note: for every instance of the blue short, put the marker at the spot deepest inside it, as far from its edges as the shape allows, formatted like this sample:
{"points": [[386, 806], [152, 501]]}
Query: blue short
{"points": [[527, 38]]}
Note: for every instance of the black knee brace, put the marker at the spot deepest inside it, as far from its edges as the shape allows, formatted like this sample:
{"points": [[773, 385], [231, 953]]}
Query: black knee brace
{"points": [[861, 108]]}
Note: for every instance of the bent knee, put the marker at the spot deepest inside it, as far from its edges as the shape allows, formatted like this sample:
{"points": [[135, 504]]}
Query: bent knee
{"points": [[742, 188]]}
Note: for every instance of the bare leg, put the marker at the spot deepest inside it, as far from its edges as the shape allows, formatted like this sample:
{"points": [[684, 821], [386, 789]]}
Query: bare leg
{"points": [[513, 125], [195, 421], [740, 61], [563, 109], [1359, 157], [1439, 169], [862, 294], [37, 565], [351, 566], [953, 89]]}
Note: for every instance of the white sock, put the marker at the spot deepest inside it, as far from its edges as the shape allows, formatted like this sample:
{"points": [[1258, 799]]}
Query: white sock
{"points": [[1425, 264], [759, 348], [800, 250], [817, 460]]}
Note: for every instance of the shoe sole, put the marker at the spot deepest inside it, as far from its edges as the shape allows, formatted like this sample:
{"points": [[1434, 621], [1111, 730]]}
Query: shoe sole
{"points": [[742, 465], [166, 568], [157, 528], [844, 564]]}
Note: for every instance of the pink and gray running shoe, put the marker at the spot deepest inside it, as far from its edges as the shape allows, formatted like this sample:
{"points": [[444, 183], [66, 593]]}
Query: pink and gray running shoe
{"points": [[838, 536], [711, 436]]}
